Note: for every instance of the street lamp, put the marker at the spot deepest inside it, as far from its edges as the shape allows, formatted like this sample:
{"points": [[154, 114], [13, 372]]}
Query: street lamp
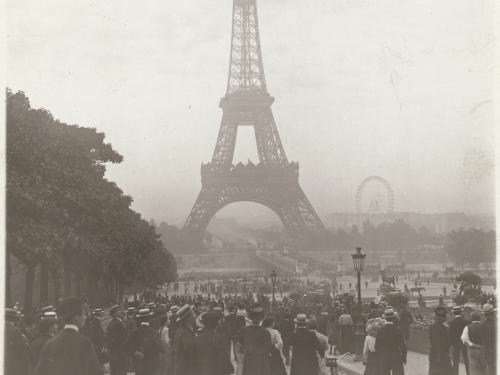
{"points": [[274, 275], [358, 260]]}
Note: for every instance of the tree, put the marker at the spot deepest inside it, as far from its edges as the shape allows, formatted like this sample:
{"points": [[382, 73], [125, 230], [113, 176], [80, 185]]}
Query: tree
{"points": [[61, 210]]}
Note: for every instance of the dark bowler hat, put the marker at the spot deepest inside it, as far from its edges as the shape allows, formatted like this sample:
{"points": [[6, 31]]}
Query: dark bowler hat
{"points": [[208, 319], [256, 313], [70, 307], [114, 309], [183, 312], [440, 311]]}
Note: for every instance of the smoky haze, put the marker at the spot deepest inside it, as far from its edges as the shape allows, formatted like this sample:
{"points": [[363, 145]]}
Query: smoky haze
{"points": [[400, 89]]}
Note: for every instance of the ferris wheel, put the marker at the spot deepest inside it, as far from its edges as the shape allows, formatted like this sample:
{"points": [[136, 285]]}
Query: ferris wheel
{"points": [[381, 199]]}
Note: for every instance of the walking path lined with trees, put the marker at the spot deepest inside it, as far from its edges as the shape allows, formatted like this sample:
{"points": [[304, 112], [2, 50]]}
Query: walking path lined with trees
{"points": [[66, 220]]}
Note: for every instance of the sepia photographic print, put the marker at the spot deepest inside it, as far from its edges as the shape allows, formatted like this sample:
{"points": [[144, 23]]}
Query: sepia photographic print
{"points": [[249, 187]]}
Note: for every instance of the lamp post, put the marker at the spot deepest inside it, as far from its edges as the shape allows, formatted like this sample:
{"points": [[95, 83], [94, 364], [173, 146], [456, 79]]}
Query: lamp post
{"points": [[274, 275], [358, 260]]}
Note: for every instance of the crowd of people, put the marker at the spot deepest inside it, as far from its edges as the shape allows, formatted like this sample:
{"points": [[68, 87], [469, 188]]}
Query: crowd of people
{"points": [[237, 334]]}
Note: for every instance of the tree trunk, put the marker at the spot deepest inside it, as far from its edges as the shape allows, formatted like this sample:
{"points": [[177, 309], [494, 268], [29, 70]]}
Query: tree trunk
{"points": [[8, 272], [28, 289], [44, 282], [67, 276]]}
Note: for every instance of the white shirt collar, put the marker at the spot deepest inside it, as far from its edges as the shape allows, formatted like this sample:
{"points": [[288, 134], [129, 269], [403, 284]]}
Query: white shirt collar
{"points": [[71, 326]]}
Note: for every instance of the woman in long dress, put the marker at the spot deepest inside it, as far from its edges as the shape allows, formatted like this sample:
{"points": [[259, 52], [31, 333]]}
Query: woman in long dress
{"points": [[346, 332], [371, 359], [276, 360]]}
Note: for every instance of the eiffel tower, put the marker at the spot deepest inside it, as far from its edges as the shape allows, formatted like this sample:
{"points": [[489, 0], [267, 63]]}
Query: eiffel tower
{"points": [[273, 182]]}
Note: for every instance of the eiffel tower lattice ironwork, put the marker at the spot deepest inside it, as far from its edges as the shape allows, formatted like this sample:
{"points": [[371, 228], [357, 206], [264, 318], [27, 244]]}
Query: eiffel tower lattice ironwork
{"points": [[272, 182]]}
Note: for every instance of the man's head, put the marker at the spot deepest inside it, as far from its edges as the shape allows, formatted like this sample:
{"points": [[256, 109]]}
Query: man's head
{"points": [[185, 315], [440, 314], [457, 311], [116, 312], [475, 316], [71, 311]]}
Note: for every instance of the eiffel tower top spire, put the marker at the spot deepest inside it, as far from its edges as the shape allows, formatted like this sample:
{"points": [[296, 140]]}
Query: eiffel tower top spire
{"points": [[246, 70]]}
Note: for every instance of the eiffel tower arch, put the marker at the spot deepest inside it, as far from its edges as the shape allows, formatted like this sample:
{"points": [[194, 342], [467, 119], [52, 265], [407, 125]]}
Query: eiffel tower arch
{"points": [[274, 181]]}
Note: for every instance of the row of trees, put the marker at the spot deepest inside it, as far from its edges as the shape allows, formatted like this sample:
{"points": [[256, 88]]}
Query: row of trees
{"points": [[472, 246], [66, 220]]}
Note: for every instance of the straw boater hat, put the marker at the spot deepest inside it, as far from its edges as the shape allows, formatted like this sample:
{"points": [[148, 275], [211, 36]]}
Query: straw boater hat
{"points": [[174, 308], [183, 312], [301, 320], [11, 314]]}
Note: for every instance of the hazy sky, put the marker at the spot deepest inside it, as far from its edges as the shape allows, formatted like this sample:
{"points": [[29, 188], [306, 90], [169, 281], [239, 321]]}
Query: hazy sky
{"points": [[397, 88]]}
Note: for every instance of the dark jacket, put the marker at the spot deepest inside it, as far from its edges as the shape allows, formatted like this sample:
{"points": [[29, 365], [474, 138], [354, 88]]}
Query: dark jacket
{"points": [[35, 349], [257, 347], [211, 355], [439, 355], [15, 350], [116, 334], [391, 349], [68, 352], [304, 345], [93, 330], [183, 350], [488, 334], [147, 341], [457, 326]]}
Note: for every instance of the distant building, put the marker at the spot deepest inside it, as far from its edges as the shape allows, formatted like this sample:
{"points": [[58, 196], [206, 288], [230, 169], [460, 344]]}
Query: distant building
{"points": [[439, 223]]}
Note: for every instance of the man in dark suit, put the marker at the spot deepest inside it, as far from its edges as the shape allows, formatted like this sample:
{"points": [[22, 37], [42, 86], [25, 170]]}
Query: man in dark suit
{"points": [[439, 355], [184, 342], [46, 330], [69, 352], [144, 345], [456, 328], [488, 337], [405, 320], [16, 345], [391, 346], [115, 337], [305, 349], [93, 330]]}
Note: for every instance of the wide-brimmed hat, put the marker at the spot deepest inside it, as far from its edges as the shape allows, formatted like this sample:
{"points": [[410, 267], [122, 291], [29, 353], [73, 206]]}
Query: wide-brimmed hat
{"points": [[488, 308], [440, 311], [301, 319], [256, 313], [70, 307], [183, 312], [389, 314]]}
